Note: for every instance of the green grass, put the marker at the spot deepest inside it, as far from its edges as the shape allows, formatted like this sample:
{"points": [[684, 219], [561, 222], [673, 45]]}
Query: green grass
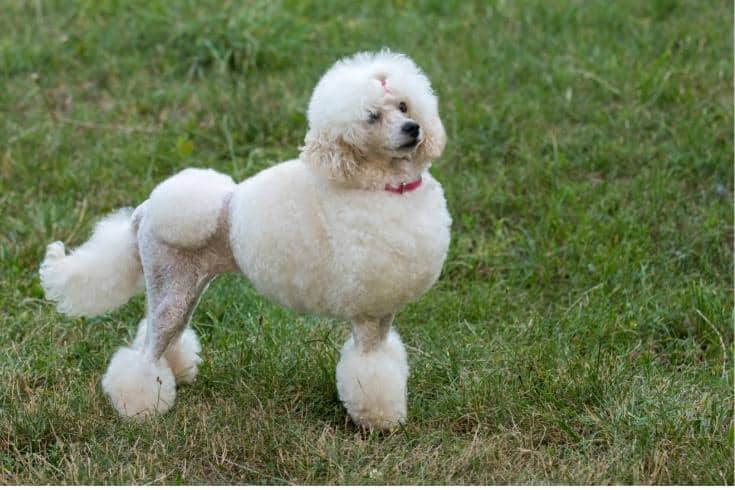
{"points": [[581, 331]]}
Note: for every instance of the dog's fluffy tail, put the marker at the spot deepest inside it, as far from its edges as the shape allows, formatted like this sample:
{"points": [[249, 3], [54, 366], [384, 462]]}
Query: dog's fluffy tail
{"points": [[99, 276]]}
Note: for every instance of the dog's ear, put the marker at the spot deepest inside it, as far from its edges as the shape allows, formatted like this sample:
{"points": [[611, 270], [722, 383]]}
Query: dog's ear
{"points": [[331, 156], [434, 140]]}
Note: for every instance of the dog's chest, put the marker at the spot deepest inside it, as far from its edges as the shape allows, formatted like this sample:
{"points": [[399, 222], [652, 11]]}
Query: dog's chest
{"points": [[388, 250], [340, 253]]}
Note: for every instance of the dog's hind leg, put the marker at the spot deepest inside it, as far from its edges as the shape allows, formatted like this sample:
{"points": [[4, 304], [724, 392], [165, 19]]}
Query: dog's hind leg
{"points": [[141, 379], [372, 374]]}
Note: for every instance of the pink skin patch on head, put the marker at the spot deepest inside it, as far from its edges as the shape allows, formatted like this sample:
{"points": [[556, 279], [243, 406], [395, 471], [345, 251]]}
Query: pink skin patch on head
{"points": [[385, 87]]}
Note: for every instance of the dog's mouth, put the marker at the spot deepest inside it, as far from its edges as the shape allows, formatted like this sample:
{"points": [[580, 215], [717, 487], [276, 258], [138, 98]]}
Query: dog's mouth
{"points": [[405, 149], [410, 145]]}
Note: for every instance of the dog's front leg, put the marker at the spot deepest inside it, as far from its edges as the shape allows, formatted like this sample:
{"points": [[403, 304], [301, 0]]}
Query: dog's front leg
{"points": [[372, 374]]}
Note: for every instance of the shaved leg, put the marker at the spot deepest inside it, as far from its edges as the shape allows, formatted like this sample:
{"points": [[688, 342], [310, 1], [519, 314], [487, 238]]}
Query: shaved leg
{"points": [[141, 380]]}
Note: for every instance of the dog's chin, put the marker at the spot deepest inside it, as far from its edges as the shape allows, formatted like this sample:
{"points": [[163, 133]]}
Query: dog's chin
{"points": [[404, 157]]}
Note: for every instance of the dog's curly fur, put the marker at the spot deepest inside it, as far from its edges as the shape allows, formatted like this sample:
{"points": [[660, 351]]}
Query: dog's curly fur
{"points": [[320, 234]]}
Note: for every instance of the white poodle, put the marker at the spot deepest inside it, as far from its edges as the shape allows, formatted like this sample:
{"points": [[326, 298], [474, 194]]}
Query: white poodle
{"points": [[355, 228]]}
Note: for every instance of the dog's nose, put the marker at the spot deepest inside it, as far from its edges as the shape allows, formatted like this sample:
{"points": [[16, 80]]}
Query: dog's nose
{"points": [[411, 128]]}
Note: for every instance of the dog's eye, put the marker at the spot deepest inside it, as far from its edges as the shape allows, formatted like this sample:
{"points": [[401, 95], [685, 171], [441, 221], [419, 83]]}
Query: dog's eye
{"points": [[373, 117], [402, 107]]}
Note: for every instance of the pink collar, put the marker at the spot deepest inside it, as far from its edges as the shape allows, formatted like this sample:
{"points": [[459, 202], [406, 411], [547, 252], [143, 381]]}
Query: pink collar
{"points": [[404, 186]]}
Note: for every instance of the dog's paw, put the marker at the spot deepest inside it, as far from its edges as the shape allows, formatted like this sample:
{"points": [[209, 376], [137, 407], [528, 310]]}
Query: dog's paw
{"points": [[183, 356], [138, 387], [372, 385]]}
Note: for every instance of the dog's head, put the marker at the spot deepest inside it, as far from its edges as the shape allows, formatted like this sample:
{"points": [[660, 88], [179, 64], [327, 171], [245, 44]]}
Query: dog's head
{"points": [[373, 119]]}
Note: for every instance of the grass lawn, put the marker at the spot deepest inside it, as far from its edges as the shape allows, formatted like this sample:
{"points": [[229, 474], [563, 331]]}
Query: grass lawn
{"points": [[581, 331]]}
